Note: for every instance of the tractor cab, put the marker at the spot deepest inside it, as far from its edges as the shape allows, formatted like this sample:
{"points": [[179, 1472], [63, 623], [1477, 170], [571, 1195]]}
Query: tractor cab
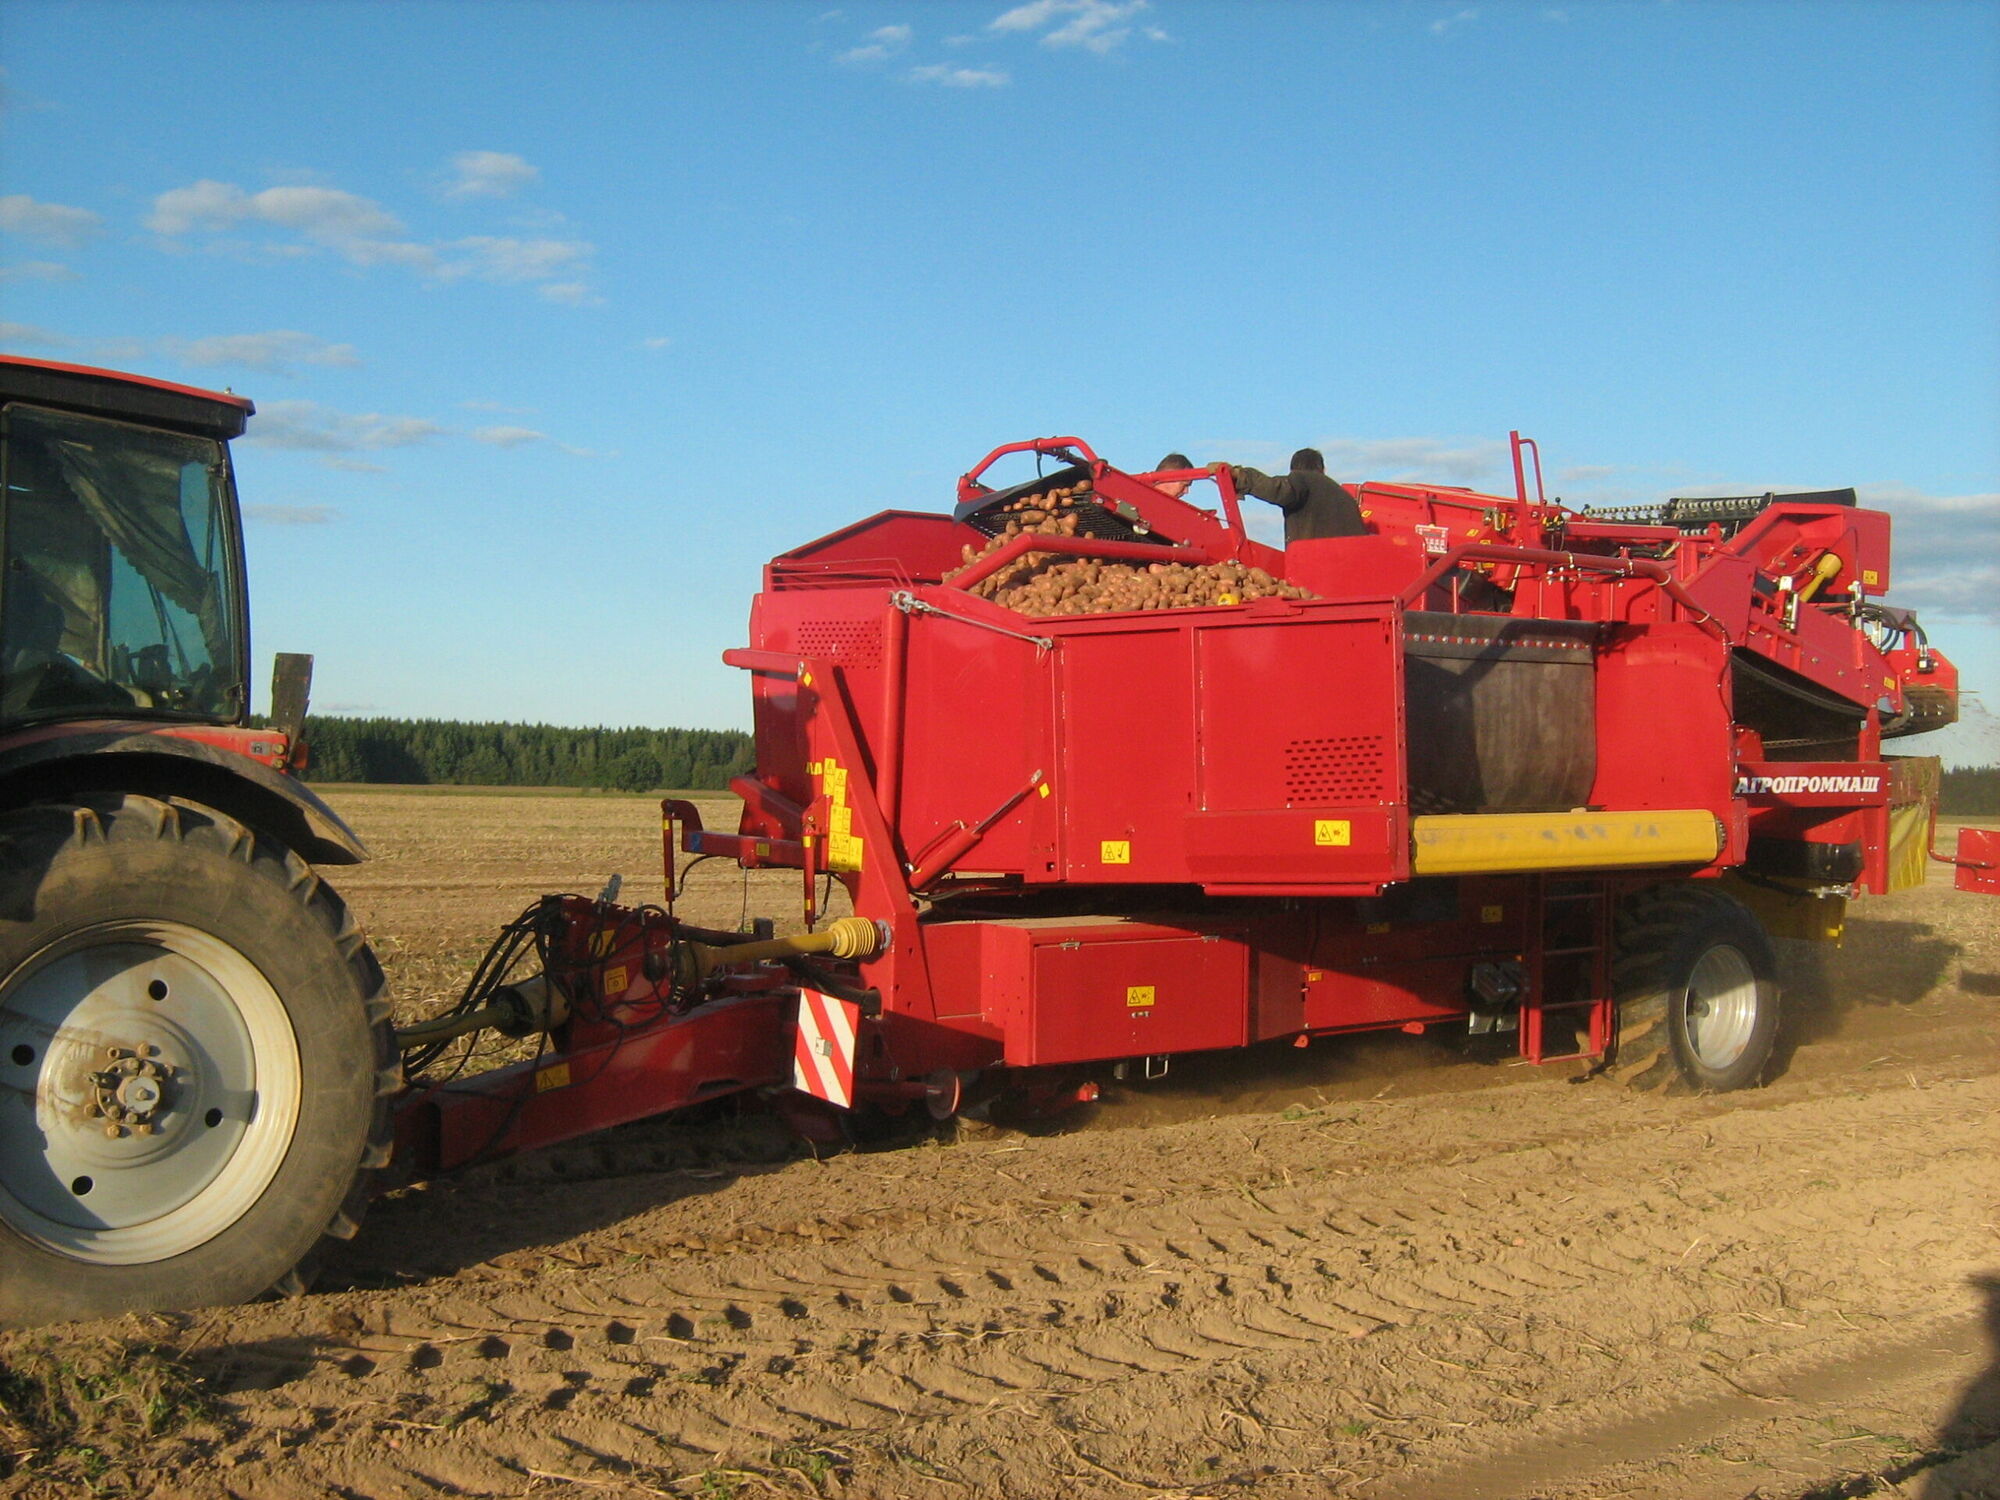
{"points": [[120, 560]]}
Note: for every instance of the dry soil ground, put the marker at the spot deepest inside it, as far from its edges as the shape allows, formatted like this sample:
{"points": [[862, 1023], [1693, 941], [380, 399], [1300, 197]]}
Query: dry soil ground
{"points": [[1372, 1268]]}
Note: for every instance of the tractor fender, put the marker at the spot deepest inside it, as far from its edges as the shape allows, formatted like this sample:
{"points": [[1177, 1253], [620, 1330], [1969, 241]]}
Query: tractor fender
{"points": [[61, 761]]}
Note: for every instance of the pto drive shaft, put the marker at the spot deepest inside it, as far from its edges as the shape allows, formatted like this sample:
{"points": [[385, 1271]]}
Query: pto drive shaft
{"points": [[534, 1005]]}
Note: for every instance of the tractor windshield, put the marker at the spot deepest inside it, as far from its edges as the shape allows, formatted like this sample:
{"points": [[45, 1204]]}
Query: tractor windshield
{"points": [[118, 590]]}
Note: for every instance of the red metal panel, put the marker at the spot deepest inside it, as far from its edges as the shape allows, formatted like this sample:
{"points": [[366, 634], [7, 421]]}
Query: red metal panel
{"points": [[720, 1049], [1127, 751], [1979, 861], [1392, 995], [1111, 997], [975, 724], [1663, 726], [1298, 712], [1067, 990]]}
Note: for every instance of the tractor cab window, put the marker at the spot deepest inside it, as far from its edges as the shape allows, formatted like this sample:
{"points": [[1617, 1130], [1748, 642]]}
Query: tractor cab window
{"points": [[117, 585]]}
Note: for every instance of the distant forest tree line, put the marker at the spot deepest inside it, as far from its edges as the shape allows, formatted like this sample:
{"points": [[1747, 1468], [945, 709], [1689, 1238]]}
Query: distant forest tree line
{"points": [[440, 752], [444, 753], [1970, 792]]}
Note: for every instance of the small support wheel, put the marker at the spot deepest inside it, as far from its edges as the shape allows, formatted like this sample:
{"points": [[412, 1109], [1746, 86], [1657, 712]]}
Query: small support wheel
{"points": [[196, 1058], [944, 1090], [1697, 991]]}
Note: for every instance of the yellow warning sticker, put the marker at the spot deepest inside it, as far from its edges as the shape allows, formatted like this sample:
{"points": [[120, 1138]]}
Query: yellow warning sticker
{"points": [[1115, 852], [556, 1077], [617, 979], [1043, 789], [602, 943], [1333, 831], [1138, 996], [1492, 914], [1378, 926], [1871, 578], [843, 846]]}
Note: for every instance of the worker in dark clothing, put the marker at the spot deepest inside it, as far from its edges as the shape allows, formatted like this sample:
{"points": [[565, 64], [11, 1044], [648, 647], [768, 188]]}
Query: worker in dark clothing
{"points": [[1314, 505]]}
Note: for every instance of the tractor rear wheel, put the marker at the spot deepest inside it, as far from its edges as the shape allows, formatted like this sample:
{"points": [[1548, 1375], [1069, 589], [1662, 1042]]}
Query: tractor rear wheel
{"points": [[1697, 991], [197, 1056]]}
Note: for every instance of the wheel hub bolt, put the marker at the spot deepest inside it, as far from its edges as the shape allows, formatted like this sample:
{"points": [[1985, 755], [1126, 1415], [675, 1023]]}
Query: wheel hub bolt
{"points": [[130, 1091]]}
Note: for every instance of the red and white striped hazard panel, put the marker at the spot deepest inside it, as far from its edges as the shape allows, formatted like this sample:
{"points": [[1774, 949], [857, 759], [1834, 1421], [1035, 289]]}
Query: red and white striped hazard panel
{"points": [[823, 1052]]}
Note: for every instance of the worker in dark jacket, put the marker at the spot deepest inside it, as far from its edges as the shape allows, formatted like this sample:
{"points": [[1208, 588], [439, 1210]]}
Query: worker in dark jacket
{"points": [[1314, 505]]}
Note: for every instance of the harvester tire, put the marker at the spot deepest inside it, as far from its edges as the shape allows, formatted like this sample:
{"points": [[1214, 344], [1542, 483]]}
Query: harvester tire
{"points": [[196, 1061], [1697, 989]]}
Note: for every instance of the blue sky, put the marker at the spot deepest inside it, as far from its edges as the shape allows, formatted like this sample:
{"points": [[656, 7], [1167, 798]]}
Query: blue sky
{"points": [[562, 318]]}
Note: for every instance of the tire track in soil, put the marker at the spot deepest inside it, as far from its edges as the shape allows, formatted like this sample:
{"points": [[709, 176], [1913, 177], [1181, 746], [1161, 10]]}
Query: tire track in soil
{"points": [[1321, 1326]]}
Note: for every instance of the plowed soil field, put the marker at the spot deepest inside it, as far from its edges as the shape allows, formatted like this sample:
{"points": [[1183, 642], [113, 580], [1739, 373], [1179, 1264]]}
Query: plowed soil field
{"points": [[1375, 1267]]}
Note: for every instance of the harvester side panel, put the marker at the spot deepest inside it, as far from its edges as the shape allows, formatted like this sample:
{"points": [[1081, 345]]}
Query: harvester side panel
{"points": [[977, 724], [1663, 721]]}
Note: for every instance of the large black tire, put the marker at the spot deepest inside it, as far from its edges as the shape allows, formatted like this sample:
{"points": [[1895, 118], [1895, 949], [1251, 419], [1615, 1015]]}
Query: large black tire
{"points": [[196, 1061], [1697, 988]]}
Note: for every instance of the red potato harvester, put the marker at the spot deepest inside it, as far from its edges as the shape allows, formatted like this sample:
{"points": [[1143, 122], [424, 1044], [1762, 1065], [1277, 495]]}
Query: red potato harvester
{"points": [[1105, 780], [1498, 765]]}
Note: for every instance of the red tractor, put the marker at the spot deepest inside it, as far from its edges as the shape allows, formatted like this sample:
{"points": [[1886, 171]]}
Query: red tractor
{"points": [[196, 1053]]}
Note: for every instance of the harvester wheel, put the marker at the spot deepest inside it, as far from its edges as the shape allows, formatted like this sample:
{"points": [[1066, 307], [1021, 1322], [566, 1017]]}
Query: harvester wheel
{"points": [[1697, 991], [196, 1058]]}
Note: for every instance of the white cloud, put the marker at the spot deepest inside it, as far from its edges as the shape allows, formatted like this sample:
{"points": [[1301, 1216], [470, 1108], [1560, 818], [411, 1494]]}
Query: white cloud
{"points": [[509, 437], [291, 515], [29, 336], [1946, 559], [405, 253], [352, 465], [655, 343], [489, 174], [324, 213], [36, 270], [1099, 26], [358, 229], [571, 294], [47, 223], [883, 43], [277, 351], [521, 437], [313, 428], [1439, 460], [1447, 24], [328, 215], [206, 204], [492, 258], [959, 78], [365, 234]]}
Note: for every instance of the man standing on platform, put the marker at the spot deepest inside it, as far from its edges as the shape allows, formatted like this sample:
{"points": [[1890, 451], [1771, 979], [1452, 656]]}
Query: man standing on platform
{"points": [[1314, 505]]}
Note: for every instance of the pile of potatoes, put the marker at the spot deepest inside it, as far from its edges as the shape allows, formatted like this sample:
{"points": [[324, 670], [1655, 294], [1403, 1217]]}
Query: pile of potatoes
{"points": [[1047, 584]]}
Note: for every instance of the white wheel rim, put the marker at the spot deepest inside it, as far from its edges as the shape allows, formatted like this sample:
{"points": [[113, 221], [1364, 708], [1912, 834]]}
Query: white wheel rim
{"points": [[1722, 1005], [219, 1092]]}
